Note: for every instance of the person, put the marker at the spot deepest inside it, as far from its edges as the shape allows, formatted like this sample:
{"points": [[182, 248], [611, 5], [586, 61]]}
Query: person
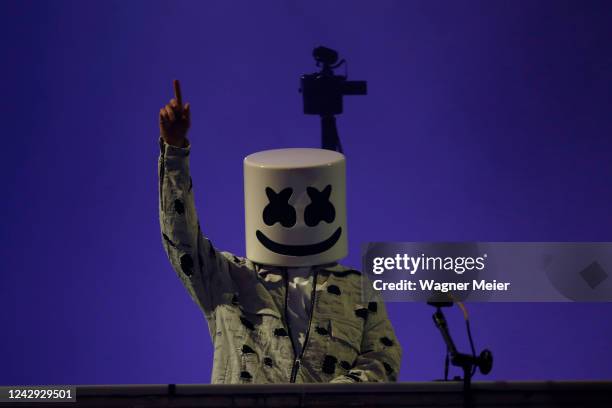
{"points": [[286, 312]]}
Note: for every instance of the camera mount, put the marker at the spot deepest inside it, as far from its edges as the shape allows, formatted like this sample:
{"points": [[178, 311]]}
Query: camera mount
{"points": [[323, 94]]}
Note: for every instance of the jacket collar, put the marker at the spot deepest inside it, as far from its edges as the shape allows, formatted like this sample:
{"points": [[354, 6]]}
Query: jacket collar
{"points": [[333, 268]]}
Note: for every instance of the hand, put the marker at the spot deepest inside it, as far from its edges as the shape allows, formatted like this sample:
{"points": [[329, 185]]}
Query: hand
{"points": [[175, 119]]}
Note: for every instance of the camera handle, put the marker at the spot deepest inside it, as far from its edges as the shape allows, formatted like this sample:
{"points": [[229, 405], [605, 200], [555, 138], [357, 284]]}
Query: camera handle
{"points": [[329, 134]]}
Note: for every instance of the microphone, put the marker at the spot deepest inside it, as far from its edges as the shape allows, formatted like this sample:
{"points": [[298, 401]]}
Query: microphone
{"points": [[440, 299]]}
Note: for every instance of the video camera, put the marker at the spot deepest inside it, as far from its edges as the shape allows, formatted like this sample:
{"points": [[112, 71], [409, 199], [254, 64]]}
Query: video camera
{"points": [[323, 91]]}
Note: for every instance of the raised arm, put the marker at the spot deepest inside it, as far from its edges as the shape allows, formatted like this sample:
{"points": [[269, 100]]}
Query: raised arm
{"points": [[203, 270]]}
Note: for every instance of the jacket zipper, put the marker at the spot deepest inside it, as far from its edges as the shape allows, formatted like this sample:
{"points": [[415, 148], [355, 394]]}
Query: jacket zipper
{"points": [[298, 358]]}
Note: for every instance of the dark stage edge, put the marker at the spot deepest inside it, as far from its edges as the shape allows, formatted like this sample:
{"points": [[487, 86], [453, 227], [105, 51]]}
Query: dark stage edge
{"points": [[405, 394]]}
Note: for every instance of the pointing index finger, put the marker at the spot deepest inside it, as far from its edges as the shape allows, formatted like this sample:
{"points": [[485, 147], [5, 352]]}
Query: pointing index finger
{"points": [[177, 92]]}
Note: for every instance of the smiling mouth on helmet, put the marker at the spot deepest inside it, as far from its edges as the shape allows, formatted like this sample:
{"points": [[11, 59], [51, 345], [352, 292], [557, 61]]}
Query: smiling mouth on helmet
{"points": [[299, 250]]}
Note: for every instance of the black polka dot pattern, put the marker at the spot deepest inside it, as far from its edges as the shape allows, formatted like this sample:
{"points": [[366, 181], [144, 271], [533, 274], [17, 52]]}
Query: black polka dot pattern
{"points": [[245, 375], [373, 307], [187, 264], [333, 289], [386, 341], [280, 332], [322, 331], [246, 349], [388, 368], [329, 364], [362, 313], [179, 207], [268, 362], [345, 365]]}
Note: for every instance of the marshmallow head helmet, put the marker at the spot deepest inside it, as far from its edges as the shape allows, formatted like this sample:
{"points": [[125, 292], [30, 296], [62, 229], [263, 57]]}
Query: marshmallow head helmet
{"points": [[295, 207]]}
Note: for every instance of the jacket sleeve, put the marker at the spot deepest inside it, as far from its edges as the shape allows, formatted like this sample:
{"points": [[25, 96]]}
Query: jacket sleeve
{"points": [[203, 271], [381, 352]]}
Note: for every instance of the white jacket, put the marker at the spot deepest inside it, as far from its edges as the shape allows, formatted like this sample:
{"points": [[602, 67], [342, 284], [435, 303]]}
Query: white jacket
{"points": [[349, 337]]}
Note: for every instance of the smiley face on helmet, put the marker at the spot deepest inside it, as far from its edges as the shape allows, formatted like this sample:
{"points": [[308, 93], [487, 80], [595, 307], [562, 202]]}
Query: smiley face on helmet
{"points": [[295, 202]]}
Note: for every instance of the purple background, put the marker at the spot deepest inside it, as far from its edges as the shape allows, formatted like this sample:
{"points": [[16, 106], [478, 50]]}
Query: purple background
{"points": [[484, 121]]}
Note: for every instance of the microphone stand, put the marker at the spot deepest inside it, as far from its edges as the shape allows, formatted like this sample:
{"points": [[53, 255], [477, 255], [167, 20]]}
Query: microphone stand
{"points": [[465, 361]]}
